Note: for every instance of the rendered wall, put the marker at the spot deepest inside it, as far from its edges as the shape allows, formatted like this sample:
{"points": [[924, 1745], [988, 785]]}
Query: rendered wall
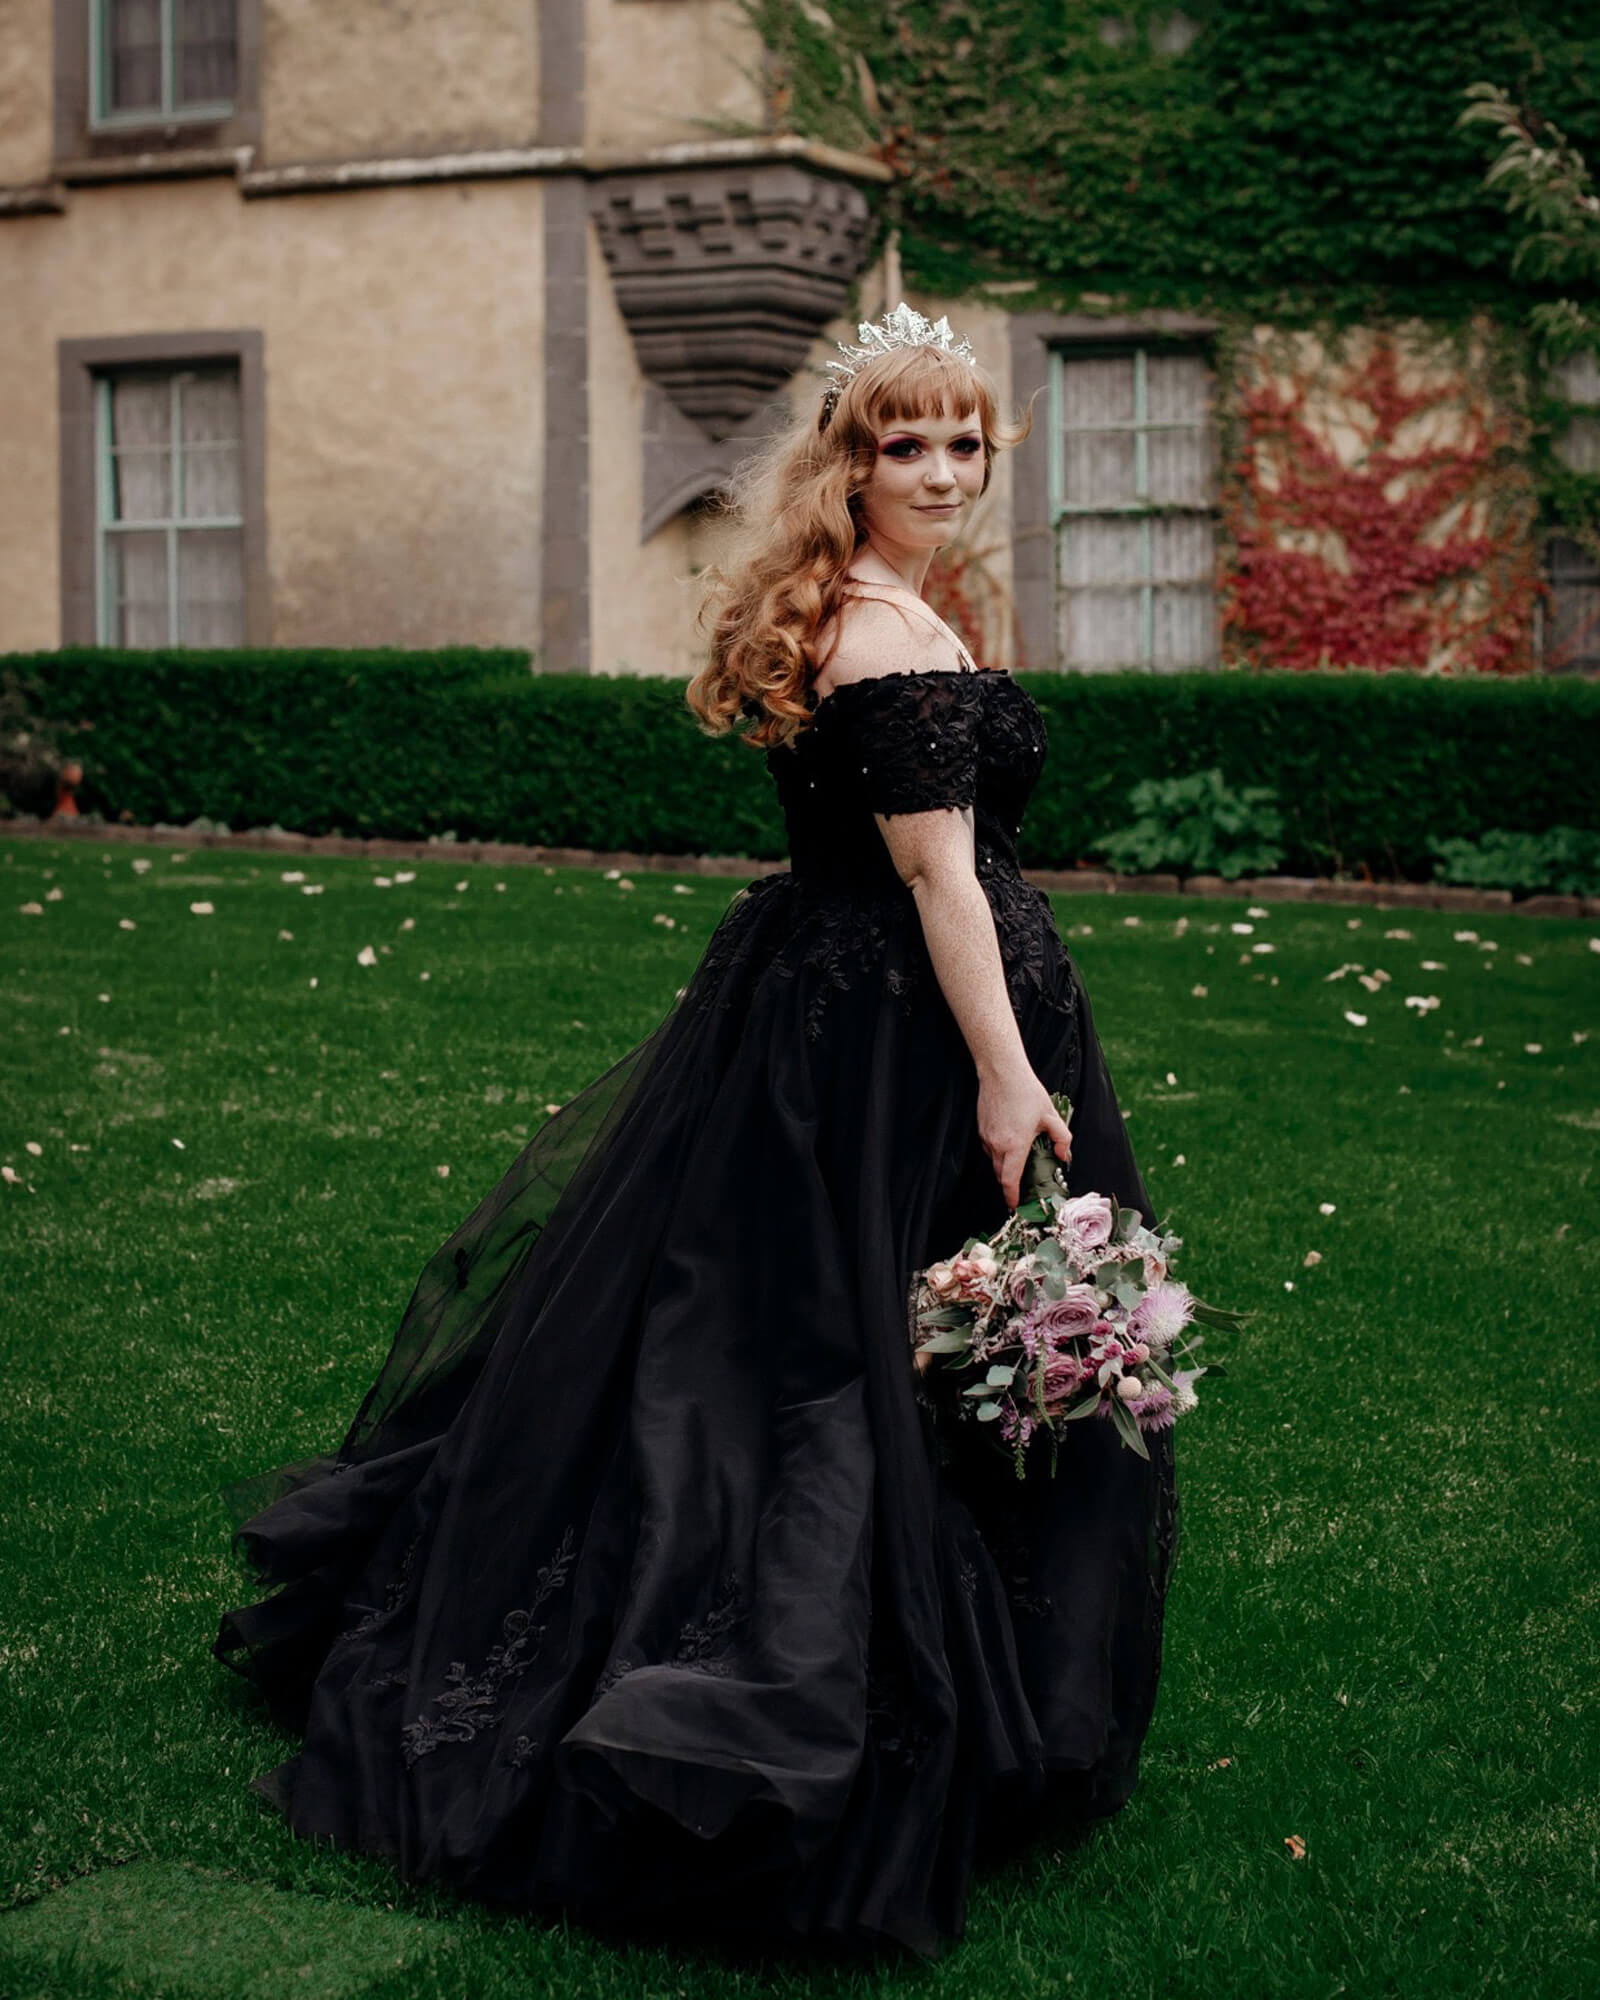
{"points": [[402, 334]]}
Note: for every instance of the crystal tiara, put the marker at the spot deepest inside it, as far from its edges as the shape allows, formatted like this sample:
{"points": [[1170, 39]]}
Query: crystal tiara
{"points": [[903, 327]]}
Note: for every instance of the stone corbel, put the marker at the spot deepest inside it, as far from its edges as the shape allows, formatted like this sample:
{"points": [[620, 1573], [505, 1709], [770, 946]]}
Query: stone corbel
{"points": [[725, 274]]}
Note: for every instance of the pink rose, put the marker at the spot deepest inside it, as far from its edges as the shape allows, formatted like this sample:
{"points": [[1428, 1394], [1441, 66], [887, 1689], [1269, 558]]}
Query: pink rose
{"points": [[1074, 1316], [1087, 1220]]}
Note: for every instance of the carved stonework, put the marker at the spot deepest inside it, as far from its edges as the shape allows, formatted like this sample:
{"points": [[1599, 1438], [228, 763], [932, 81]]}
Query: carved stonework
{"points": [[726, 273]]}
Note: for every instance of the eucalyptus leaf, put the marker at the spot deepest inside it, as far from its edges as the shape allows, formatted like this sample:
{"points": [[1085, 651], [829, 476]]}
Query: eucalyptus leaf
{"points": [[1122, 1417], [1001, 1374], [988, 1412], [1220, 1316], [945, 1343]]}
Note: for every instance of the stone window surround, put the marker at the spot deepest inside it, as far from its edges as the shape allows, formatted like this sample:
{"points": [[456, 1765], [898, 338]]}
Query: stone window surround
{"points": [[1034, 335], [75, 142], [78, 363]]}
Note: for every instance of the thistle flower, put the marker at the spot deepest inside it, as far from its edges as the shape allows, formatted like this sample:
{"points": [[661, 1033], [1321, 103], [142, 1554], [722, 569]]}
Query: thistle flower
{"points": [[1162, 1314]]}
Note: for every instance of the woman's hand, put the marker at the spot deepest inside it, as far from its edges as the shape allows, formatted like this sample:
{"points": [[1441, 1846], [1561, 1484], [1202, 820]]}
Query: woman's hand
{"points": [[1012, 1110]]}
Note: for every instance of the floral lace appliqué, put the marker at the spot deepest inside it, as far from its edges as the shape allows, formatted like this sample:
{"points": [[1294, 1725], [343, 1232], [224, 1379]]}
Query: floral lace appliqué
{"points": [[469, 1703], [705, 1644]]}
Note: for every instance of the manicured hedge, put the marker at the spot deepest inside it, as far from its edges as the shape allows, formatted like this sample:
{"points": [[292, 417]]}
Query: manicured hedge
{"points": [[1366, 766]]}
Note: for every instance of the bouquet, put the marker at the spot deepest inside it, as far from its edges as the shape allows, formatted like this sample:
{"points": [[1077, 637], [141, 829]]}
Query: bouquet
{"points": [[1068, 1311]]}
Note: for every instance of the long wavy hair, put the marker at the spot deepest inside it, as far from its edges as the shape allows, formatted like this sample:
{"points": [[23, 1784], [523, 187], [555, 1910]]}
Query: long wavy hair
{"points": [[798, 525]]}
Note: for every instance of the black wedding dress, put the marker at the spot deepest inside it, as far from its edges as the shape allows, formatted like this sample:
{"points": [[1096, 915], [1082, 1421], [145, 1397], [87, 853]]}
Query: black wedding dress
{"points": [[649, 1582]]}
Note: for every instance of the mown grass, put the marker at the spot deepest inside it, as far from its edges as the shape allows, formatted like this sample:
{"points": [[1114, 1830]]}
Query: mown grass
{"points": [[1381, 1633]]}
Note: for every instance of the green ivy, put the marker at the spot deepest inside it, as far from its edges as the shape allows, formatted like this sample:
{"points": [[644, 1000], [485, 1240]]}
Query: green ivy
{"points": [[1299, 159]]}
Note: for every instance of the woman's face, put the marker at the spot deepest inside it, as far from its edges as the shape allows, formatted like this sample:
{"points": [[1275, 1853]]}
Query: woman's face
{"points": [[927, 475]]}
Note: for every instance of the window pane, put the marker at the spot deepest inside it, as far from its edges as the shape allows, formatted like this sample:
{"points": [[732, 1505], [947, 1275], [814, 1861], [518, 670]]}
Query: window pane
{"points": [[1101, 628], [205, 52], [1579, 444], [1183, 549], [1177, 389], [1099, 468], [1097, 389], [141, 459], [1185, 627], [1101, 551], [136, 589], [133, 55], [209, 426], [1572, 621], [1181, 473], [211, 587], [1578, 378]]}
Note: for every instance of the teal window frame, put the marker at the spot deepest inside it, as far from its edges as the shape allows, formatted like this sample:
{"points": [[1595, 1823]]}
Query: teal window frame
{"points": [[174, 522], [1141, 507], [102, 118]]}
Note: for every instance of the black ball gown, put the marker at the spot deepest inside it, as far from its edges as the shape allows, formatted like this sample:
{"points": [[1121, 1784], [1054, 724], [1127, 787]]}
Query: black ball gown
{"points": [[649, 1582]]}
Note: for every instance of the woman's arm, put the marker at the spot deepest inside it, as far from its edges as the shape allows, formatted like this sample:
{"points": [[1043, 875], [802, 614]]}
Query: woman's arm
{"points": [[933, 855]]}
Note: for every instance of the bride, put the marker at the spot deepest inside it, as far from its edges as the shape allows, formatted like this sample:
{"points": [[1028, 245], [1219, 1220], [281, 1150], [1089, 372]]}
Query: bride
{"points": [[649, 1582]]}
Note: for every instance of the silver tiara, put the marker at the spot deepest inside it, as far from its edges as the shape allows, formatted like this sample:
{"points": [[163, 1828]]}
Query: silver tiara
{"points": [[904, 327]]}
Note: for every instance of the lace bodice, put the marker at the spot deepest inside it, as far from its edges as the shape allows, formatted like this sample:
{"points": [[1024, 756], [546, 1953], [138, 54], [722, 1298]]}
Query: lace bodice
{"points": [[901, 743], [905, 743]]}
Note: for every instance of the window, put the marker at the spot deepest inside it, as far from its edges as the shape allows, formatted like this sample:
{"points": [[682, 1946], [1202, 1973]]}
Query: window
{"points": [[162, 59], [170, 520], [142, 78], [163, 520], [1572, 616], [1133, 508]]}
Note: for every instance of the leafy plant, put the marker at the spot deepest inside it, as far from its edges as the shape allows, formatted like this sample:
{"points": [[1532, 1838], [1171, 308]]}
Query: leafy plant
{"points": [[1198, 825], [1564, 860], [1550, 194]]}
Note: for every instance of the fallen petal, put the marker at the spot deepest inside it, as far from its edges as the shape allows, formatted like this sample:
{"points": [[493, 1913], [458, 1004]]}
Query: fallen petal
{"points": [[1355, 1020], [203, 909], [366, 956]]}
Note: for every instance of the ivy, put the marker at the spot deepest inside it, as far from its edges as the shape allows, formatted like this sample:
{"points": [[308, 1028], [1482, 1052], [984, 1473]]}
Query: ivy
{"points": [[1295, 159]]}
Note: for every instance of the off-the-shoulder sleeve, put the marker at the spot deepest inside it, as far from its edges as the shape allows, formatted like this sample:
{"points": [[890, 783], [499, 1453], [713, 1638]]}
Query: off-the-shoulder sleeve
{"points": [[912, 740]]}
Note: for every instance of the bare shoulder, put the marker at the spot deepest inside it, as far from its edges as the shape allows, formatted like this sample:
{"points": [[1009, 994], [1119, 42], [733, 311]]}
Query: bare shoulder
{"points": [[873, 636]]}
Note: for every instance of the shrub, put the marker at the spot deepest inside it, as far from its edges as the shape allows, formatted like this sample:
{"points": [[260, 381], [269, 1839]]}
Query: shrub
{"points": [[1368, 768], [1199, 826], [1564, 860]]}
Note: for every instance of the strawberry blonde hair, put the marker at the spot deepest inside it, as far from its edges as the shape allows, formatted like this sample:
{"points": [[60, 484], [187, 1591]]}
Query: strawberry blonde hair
{"points": [[797, 511]]}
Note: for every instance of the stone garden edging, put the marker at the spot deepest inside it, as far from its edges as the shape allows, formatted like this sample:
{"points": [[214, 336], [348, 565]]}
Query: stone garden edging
{"points": [[1076, 881]]}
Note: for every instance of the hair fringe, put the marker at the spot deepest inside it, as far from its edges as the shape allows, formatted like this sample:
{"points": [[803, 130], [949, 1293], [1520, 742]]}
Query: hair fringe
{"points": [[797, 527]]}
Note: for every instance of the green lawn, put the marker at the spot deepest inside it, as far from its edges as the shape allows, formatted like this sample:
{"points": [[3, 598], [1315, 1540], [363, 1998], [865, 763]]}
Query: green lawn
{"points": [[230, 1149]]}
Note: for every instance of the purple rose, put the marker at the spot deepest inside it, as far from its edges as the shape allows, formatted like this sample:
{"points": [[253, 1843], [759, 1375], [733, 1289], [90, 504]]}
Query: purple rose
{"points": [[1071, 1317], [1086, 1219]]}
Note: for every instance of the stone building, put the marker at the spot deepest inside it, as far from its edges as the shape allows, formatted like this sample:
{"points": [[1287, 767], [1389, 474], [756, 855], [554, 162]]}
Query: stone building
{"points": [[357, 324]]}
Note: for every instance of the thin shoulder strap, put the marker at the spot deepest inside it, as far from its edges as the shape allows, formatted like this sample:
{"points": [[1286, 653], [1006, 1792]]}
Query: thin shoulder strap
{"points": [[902, 594]]}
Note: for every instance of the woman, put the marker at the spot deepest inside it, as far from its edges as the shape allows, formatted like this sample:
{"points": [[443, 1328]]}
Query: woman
{"points": [[648, 1581]]}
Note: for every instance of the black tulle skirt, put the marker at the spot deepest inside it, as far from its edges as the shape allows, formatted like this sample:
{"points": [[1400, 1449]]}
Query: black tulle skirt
{"points": [[648, 1584]]}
